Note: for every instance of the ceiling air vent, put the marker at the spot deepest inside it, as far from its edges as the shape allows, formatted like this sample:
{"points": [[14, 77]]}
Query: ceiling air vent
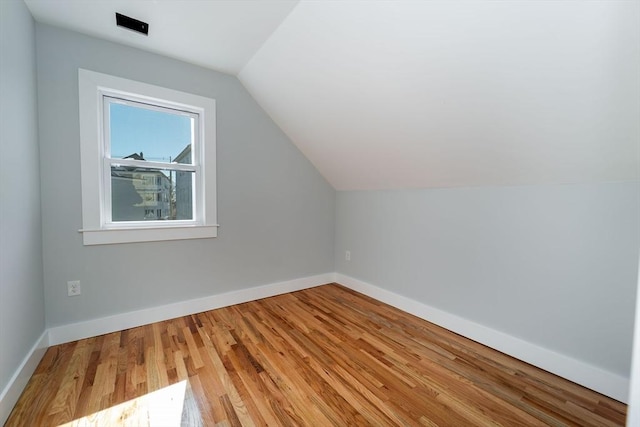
{"points": [[132, 24]]}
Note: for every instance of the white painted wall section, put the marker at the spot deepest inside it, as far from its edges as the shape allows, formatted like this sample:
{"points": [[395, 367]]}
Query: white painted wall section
{"points": [[554, 265], [276, 212], [21, 278]]}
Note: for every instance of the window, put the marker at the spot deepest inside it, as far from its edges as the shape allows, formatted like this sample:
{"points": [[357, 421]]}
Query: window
{"points": [[148, 162], [141, 145]]}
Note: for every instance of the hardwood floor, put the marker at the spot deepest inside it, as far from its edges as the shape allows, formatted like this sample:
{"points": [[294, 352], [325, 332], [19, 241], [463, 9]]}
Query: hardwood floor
{"points": [[323, 356]]}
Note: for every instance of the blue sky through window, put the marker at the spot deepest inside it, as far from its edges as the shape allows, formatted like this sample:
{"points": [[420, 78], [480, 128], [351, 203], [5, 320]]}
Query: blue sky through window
{"points": [[159, 135]]}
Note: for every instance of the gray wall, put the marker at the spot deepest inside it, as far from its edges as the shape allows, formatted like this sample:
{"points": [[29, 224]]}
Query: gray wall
{"points": [[555, 265], [21, 292], [276, 211]]}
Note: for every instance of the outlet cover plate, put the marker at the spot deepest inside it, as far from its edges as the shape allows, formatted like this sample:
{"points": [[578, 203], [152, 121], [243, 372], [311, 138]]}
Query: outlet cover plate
{"points": [[73, 288]]}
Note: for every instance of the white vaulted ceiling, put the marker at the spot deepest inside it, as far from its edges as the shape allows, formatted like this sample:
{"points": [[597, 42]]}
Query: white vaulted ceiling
{"points": [[456, 93], [218, 34], [403, 94]]}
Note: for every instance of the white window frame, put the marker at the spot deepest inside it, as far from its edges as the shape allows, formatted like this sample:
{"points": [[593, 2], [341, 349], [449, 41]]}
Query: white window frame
{"points": [[110, 97], [97, 227]]}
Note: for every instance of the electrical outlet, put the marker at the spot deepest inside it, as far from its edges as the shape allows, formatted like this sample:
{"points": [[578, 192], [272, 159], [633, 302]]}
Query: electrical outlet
{"points": [[347, 256], [73, 288]]}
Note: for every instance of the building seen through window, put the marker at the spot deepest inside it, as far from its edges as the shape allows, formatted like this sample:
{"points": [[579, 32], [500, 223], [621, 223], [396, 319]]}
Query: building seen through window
{"points": [[148, 194]]}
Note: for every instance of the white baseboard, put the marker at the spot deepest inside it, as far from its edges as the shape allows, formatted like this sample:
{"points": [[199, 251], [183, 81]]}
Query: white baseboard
{"points": [[18, 382], [118, 322], [582, 373], [587, 375]]}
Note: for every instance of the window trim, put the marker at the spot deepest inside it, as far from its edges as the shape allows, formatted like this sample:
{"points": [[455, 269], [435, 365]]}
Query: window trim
{"points": [[96, 230]]}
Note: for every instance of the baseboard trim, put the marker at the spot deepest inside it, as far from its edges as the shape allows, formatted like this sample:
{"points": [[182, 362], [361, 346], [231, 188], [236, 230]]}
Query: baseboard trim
{"points": [[587, 375], [18, 382], [118, 322], [592, 377]]}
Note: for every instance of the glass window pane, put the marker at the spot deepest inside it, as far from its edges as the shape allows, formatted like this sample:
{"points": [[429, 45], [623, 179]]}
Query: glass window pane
{"points": [[184, 194], [140, 194], [142, 133]]}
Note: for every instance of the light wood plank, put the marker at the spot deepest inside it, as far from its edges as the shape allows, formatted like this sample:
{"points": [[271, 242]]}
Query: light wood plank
{"points": [[322, 356]]}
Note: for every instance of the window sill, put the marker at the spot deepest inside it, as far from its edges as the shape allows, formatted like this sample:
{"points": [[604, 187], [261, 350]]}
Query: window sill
{"points": [[155, 234]]}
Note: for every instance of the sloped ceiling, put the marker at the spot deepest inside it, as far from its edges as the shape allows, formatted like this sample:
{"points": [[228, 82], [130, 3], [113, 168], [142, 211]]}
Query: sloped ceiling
{"points": [[218, 34], [405, 94], [456, 93]]}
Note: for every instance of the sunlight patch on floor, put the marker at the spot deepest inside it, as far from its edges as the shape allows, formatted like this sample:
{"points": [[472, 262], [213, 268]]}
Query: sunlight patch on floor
{"points": [[160, 408]]}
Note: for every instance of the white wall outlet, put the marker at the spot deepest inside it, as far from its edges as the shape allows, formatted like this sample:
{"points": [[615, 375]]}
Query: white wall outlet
{"points": [[347, 256], [73, 288]]}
